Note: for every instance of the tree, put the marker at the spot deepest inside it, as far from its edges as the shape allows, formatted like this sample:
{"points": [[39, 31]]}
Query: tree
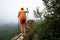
{"points": [[37, 13], [52, 19], [49, 28]]}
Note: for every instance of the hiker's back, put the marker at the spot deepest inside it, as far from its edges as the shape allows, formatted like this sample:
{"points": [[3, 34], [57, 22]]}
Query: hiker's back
{"points": [[22, 15]]}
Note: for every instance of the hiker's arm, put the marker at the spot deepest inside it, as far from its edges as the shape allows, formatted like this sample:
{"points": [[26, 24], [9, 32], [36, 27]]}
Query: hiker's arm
{"points": [[18, 14], [27, 10]]}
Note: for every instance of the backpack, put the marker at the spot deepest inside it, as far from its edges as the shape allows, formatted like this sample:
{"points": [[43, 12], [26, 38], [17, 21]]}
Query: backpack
{"points": [[22, 15]]}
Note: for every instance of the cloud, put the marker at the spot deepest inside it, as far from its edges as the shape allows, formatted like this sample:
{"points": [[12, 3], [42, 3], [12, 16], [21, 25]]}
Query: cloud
{"points": [[9, 8]]}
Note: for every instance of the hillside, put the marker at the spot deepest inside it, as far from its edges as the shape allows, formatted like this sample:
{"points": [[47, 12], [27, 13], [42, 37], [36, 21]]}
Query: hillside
{"points": [[7, 31]]}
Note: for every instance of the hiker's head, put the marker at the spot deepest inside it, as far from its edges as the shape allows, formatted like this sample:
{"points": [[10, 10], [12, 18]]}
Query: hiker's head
{"points": [[22, 8]]}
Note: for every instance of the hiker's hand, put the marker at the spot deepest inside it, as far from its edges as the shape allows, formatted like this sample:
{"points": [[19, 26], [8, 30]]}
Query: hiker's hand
{"points": [[26, 8]]}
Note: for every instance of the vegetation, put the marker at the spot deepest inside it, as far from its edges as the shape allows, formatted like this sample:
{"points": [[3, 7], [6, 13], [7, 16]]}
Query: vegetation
{"points": [[49, 28], [8, 31]]}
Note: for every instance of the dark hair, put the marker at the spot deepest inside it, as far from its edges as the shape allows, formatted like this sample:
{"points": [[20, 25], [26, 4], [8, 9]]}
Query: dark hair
{"points": [[22, 8]]}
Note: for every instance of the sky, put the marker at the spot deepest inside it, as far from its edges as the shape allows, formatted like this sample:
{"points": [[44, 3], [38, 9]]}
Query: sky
{"points": [[9, 9]]}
